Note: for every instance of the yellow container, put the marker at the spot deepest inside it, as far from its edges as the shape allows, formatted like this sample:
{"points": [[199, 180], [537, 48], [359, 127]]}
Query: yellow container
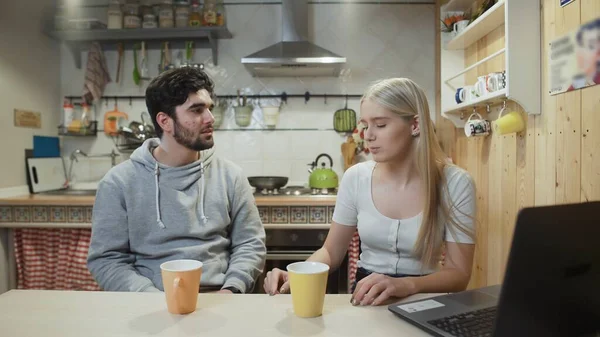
{"points": [[509, 123], [308, 284]]}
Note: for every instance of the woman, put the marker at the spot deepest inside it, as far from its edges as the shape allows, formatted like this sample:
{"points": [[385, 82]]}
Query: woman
{"points": [[407, 203]]}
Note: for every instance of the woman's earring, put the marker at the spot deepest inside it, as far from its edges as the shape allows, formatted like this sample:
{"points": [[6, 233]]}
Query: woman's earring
{"points": [[416, 132]]}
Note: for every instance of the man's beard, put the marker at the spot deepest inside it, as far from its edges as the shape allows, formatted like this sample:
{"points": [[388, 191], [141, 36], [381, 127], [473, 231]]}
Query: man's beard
{"points": [[186, 138]]}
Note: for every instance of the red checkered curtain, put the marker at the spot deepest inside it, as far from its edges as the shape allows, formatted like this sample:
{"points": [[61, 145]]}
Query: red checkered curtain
{"points": [[353, 256], [53, 259]]}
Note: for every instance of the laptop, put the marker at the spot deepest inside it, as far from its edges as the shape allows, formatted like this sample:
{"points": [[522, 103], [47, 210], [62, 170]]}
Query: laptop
{"points": [[551, 286]]}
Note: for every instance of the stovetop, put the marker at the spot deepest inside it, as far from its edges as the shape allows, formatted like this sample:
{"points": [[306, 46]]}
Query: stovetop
{"points": [[295, 191]]}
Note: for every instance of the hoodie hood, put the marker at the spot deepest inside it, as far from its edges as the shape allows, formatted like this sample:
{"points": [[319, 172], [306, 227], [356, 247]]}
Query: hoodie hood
{"points": [[179, 178]]}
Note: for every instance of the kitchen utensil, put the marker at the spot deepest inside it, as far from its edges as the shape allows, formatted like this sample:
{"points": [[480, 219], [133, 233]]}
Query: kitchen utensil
{"points": [[270, 115], [136, 71], [322, 177], [46, 174], [243, 115], [112, 119], [348, 152], [344, 120], [267, 183], [120, 50], [144, 72], [46, 147], [477, 126], [148, 126]]}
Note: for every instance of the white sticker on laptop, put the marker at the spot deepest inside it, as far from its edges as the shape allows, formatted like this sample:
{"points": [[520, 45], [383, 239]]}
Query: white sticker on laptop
{"points": [[420, 306]]}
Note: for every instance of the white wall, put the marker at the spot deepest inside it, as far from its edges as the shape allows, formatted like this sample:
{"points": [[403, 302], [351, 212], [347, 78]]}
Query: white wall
{"points": [[29, 74], [379, 41]]}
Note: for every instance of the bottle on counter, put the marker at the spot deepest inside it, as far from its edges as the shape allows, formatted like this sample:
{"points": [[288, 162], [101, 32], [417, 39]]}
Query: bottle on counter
{"points": [[68, 112], [115, 15]]}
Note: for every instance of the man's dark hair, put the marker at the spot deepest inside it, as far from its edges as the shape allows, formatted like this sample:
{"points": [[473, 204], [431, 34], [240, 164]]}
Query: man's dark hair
{"points": [[592, 25], [172, 88]]}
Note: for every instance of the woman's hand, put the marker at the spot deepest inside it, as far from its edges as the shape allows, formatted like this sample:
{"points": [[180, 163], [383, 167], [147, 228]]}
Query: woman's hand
{"points": [[273, 280], [375, 289]]}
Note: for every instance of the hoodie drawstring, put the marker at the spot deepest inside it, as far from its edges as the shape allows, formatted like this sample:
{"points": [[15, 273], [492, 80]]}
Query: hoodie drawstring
{"points": [[202, 216], [158, 219]]}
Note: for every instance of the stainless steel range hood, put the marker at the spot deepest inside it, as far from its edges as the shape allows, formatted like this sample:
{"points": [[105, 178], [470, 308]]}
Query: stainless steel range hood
{"points": [[294, 55]]}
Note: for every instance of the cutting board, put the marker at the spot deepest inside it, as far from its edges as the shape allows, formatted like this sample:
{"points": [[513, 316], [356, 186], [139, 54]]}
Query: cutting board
{"points": [[46, 174]]}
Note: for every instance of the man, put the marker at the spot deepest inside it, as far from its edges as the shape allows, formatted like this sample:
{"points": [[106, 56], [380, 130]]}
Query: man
{"points": [[173, 199], [588, 56]]}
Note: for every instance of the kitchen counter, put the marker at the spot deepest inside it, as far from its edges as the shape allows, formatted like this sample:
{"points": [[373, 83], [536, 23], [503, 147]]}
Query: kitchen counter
{"points": [[79, 200], [81, 313]]}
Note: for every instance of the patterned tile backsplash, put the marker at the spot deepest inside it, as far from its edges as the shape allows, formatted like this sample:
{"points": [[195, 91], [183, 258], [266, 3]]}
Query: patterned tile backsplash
{"points": [[268, 214], [379, 40]]}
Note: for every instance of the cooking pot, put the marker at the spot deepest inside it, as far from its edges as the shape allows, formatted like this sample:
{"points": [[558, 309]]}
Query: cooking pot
{"points": [[322, 177]]}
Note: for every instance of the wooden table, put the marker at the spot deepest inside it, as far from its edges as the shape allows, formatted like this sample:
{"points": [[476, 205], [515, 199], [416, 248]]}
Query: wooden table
{"points": [[34, 313]]}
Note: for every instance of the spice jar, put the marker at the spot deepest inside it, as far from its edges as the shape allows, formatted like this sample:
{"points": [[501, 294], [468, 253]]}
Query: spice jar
{"points": [[195, 15], [115, 15], [131, 14], [165, 16], [209, 14], [149, 21], [220, 13], [182, 13]]}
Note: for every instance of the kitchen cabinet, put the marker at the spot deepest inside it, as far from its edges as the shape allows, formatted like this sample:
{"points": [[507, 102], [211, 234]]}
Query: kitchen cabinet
{"points": [[59, 227]]}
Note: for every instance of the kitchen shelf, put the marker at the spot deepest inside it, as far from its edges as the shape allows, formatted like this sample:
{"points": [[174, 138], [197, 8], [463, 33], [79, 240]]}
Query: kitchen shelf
{"points": [[206, 36], [486, 23], [521, 52], [459, 113], [457, 5]]}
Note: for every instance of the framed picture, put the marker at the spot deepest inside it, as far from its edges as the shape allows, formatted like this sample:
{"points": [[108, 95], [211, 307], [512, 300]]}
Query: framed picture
{"points": [[574, 59]]}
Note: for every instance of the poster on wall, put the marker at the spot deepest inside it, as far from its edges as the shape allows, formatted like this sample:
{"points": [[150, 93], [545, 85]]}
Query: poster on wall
{"points": [[574, 59], [563, 3]]}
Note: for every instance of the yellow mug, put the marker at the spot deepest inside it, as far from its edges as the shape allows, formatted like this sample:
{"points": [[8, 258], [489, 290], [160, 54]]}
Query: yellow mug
{"points": [[509, 123], [181, 281], [308, 284]]}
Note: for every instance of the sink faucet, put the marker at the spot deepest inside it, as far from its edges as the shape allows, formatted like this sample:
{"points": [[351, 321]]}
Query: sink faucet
{"points": [[113, 156]]}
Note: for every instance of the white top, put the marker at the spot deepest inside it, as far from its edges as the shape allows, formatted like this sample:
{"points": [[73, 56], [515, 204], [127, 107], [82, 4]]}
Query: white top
{"points": [[387, 244], [37, 313]]}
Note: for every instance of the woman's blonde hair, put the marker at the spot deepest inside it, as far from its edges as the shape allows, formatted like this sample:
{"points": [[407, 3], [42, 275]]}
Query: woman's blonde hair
{"points": [[407, 99]]}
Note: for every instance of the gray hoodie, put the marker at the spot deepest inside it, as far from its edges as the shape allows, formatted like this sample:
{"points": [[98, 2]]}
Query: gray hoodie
{"points": [[147, 213]]}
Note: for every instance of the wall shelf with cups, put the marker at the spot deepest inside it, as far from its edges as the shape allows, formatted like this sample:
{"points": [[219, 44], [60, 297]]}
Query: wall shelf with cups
{"points": [[520, 79]]}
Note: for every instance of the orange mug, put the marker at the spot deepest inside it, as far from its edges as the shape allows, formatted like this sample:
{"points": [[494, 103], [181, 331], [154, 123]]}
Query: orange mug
{"points": [[181, 281]]}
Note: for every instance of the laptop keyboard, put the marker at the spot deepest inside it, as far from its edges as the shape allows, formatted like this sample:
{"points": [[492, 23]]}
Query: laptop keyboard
{"points": [[474, 323]]}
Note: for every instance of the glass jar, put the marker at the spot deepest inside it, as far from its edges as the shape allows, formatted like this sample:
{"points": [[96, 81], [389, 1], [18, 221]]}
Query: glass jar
{"points": [[149, 21], [115, 15], [165, 16], [209, 14], [195, 15], [182, 13]]}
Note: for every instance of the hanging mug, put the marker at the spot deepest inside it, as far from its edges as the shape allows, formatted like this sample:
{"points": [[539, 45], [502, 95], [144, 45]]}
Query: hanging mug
{"points": [[509, 123], [477, 127]]}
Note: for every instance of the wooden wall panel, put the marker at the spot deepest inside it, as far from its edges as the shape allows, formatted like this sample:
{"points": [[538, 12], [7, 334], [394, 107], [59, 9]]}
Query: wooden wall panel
{"points": [[555, 160], [590, 123], [568, 121]]}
